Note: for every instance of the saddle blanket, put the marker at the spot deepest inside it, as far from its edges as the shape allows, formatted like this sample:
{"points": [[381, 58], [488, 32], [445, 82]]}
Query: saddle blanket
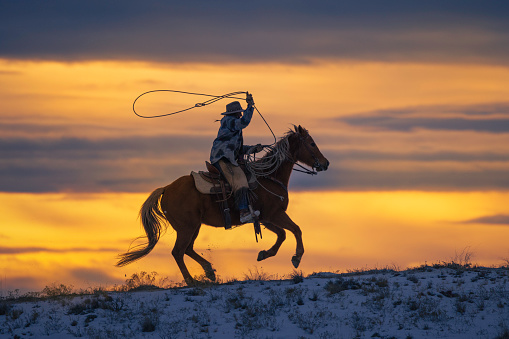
{"points": [[207, 187], [202, 185]]}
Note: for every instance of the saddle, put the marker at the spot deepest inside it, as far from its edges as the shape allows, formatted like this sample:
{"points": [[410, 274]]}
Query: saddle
{"points": [[212, 182]]}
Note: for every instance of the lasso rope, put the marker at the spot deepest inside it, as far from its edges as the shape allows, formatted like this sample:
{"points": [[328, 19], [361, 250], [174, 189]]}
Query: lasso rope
{"points": [[199, 104], [269, 163]]}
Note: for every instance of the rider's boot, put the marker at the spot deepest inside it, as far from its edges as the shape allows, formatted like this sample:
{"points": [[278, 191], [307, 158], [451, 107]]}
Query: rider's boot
{"points": [[247, 214]]}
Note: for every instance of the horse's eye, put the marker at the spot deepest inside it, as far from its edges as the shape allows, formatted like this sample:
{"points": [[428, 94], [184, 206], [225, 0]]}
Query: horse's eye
{"points": [[313, 144]]}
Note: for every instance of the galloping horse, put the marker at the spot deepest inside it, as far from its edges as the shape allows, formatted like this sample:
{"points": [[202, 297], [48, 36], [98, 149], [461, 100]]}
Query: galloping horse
{"points": [[186, 209]]}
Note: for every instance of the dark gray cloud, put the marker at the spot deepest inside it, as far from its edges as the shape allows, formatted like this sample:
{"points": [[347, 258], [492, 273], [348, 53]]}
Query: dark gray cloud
{"points": [[40, 163], [139, 164], [499, 219], [464, 157], [288, 31], [492, 118], [475, 110], [71, 164], [337, 178], [451, 124], [92, 275], [20, 284]]}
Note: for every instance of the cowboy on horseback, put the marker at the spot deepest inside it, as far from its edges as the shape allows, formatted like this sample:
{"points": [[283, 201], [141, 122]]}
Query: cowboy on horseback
{"points": [[228, 149]]}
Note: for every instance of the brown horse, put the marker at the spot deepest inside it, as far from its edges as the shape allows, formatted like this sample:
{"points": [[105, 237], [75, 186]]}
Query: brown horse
{"points": [[186, 209]]}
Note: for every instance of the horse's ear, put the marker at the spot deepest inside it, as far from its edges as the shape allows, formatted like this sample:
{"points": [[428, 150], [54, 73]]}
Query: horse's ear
{"points": [[301, 130]]}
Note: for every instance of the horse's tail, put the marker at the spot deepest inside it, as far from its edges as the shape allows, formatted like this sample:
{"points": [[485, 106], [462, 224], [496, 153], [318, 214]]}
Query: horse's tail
{"points": [[152, 219]]}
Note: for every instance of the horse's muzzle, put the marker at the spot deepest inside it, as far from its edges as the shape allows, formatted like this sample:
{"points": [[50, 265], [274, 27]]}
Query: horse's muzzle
{"points": [[319, 167]]}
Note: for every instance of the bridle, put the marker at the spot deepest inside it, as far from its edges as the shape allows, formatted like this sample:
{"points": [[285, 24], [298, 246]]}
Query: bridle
{"points": [[316, 164]]}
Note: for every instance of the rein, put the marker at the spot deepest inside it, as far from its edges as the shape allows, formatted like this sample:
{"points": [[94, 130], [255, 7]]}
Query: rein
{"points": [[304, 169]]}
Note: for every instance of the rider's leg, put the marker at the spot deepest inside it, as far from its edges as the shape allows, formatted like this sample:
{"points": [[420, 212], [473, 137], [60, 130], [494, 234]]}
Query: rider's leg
{"points": [[237, 179]]}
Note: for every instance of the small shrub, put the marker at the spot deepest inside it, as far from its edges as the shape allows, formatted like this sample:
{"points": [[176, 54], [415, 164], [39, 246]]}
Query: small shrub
{"points": [[15, 313], [312, 320], [340, 285], [449, 294], [413, 305], [297, 277], [413, 279], [428, 309], [235, 302], [257, 275], [461, 308], [194, 292], [90, 318], [382, 282], [89, 304], [148, 325], [503, 335], [56, 290], [4, 308], [32, 318], [140, 282]]}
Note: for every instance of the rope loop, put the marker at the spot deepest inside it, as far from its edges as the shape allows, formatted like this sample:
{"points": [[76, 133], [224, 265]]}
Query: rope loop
{"points": [[208, 102], [214, 98]]}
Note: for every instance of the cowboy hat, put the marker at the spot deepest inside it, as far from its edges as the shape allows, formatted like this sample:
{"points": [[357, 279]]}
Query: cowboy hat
{"points": [[232, 108]]}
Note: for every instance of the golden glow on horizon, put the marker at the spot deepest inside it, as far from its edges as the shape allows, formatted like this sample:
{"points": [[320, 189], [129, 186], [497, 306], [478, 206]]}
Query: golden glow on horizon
{"points": [[341, 231]]}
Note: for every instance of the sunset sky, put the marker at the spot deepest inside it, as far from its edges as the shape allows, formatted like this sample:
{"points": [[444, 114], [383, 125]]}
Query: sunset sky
{"points": [[409, 101]]}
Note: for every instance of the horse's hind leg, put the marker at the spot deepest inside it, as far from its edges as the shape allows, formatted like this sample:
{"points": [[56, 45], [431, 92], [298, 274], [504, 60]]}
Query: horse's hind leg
{"points": [[281, 236], [207, 266], [284, 221], [184, 238]]}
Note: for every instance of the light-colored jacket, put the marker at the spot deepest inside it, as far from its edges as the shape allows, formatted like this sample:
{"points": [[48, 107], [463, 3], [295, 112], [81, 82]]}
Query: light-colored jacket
{"points": [[229, 143]]}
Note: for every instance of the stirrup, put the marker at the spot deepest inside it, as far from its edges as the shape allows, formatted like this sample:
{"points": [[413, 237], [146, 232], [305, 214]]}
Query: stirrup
{"points": [[249, 217]]}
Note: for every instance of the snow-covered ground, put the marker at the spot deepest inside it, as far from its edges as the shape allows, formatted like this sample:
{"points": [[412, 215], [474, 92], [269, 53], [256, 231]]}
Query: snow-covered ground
{"points": [[427, 302]]}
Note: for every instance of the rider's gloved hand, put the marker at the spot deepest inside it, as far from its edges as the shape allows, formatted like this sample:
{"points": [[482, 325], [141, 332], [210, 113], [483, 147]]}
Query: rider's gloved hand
{"points": [[259, 148], [249, 99]]}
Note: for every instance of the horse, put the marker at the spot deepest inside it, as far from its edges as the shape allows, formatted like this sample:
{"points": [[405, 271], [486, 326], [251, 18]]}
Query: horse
{"points": [[186, 209]]}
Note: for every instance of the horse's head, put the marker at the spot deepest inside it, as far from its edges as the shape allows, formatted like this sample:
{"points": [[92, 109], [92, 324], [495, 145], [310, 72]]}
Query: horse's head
{"points": [[307, 151]]}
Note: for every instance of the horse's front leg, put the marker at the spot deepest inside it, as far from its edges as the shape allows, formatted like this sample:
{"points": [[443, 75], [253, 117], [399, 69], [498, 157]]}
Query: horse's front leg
{"points": [[281, 236], [283, 220]]}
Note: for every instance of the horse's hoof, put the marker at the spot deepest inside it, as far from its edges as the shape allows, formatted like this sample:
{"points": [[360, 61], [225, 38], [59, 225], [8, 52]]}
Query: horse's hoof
{"points": [[190, 282], [262, 255], [211, 275], [295, 261]]}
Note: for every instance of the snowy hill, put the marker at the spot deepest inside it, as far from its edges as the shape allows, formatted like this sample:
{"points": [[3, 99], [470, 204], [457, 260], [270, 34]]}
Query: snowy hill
{"points": [[444, 301]]}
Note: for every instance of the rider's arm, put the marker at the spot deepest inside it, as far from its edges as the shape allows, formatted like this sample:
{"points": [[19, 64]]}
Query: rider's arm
{"points": [[244, 121]]}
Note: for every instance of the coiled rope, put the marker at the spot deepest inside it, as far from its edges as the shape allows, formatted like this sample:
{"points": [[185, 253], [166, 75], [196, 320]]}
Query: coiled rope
{"points": [[275, 156]]}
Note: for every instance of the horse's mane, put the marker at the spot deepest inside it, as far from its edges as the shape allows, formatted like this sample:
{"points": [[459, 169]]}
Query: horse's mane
{"points": [[277, 154], [288, 137]]}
